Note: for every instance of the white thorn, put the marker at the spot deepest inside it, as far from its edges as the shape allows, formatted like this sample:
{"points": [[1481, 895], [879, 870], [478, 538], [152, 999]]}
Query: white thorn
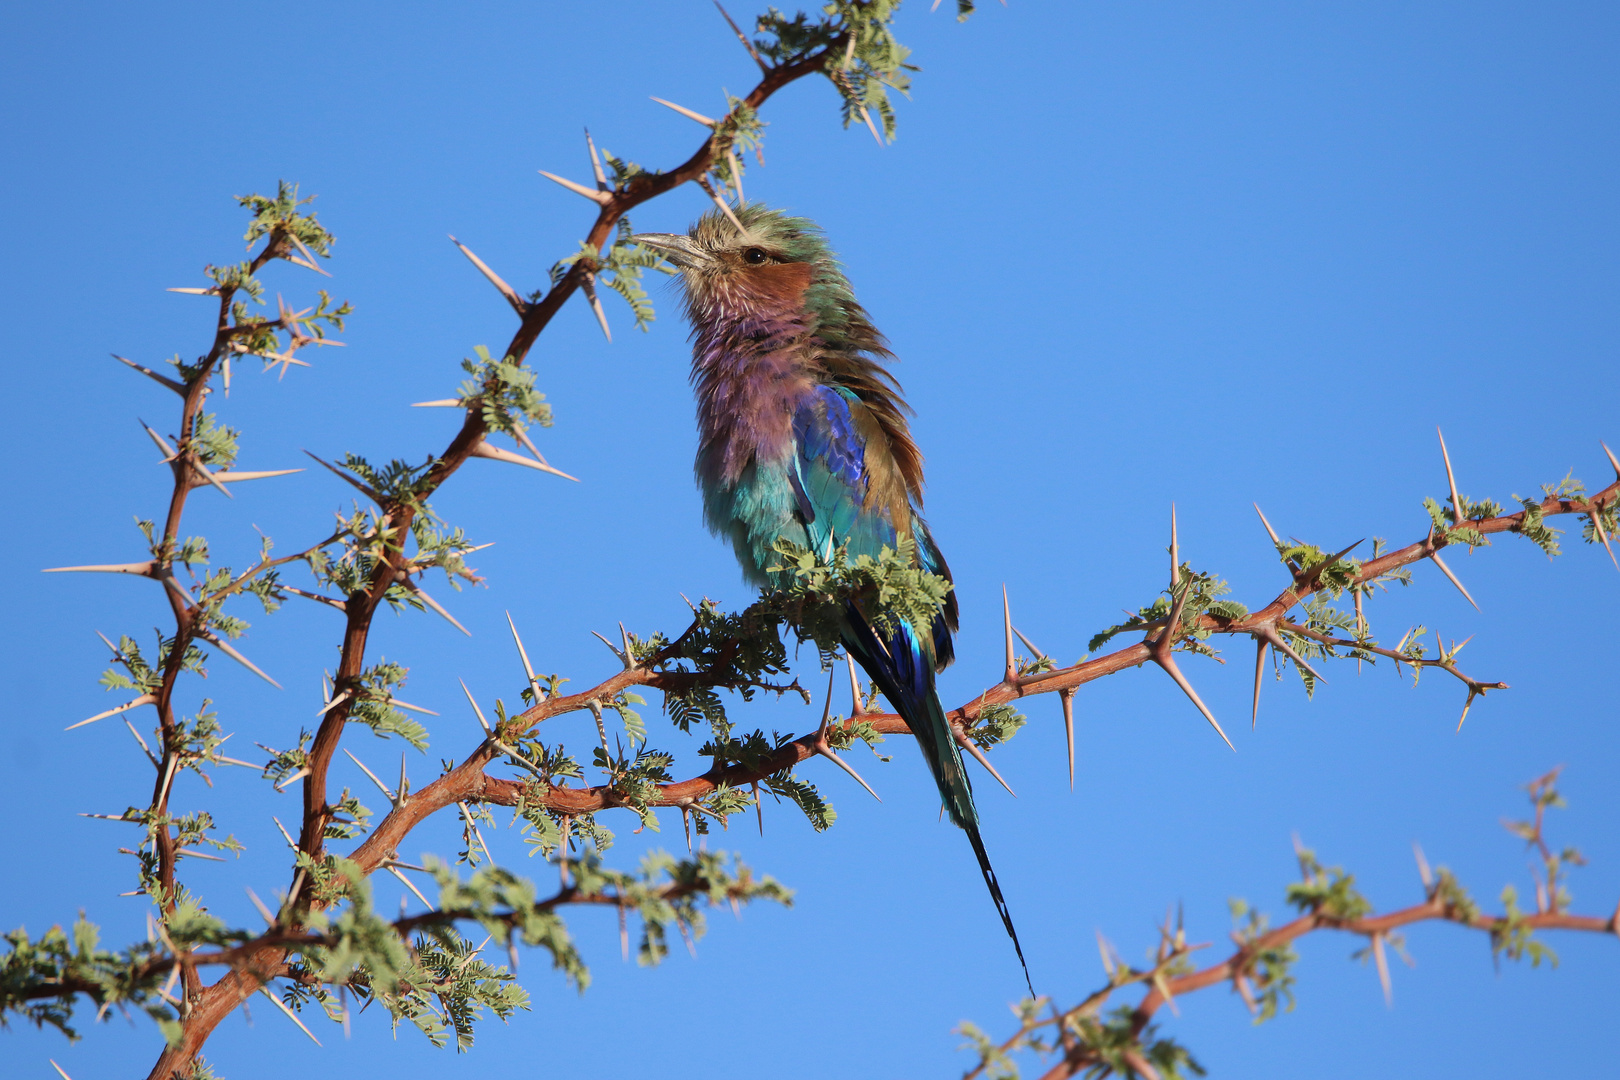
{"points": [[264, 912], [596, 162], [1011, 674], [139, 569], [238, 657], [501, 287], [1175, 550], [736, 176], [589, 285], [467, 815], [149, 373], [265, 990], [285, 835], [706, 121], [703, 182], [335, 702], [1451, 482], [528, 444], [978, 755], [209, 478], [749, 45], [1446, 570], [292, 778], [309, 256], [144, 699], [162, 443], [1423, 866], [600, 198], [416, 591], [391, 796], [147, 750], [495, 453], [612, 648], [264, 474], [476, 710], [1067, 698]]}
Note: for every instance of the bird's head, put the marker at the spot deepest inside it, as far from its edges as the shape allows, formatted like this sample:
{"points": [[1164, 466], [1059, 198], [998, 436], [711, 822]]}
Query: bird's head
{"points": [[772, 263]]}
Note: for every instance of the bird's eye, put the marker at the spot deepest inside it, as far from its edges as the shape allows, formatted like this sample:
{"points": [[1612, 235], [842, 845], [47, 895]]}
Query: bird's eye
{"points": [[754, 256]]}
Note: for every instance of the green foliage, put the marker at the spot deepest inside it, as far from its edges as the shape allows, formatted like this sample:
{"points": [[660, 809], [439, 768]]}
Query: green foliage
{"points": [[1534, 527], [1268, 969], [888, 589], [842, 734], [1512, 936], [635, 780], [739, 651], [803, 794], [995, 725], [619, 267], [347, 818], [34, 967], [280, 219], [1204, 594], [138, 675], [397, 483], [698, 705], [864, 61], [1327, 890], [373, 704], [286, 763], [995, 1062], [1115, 1041], [503, 392], [214, 444]]}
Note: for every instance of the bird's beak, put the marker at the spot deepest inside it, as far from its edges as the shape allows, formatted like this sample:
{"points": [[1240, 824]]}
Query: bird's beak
{"points": [[678, 249]]}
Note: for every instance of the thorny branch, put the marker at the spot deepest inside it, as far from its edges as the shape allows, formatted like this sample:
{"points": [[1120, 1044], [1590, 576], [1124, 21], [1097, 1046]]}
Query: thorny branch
{"points": [[468, 782], [1123, 1041]]}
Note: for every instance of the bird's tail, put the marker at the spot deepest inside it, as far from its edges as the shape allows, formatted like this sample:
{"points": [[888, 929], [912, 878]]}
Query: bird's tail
{"points": [[905, 675]]}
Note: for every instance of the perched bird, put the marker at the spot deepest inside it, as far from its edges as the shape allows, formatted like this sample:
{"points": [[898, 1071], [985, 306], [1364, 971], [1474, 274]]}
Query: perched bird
{"points": [[803, 436]]}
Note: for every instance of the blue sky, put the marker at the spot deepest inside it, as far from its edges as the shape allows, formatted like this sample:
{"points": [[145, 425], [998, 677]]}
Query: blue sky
{"points": [[1129, 254]]}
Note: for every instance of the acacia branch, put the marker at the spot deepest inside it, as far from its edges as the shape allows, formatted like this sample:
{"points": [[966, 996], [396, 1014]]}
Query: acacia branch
{"points": [[1087, 1039], [1236, 967], [468, 781], [255, 956]]}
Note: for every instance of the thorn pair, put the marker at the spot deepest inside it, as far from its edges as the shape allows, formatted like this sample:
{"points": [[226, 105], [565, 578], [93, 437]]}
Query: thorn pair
{"points": [[822, 747], [1010, 676], [626, 655], [1456, 518], [1161, 649], [397, 797]]}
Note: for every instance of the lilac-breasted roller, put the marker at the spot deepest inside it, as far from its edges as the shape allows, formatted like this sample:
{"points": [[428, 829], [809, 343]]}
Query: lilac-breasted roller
{"points": [[802, 436]]}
